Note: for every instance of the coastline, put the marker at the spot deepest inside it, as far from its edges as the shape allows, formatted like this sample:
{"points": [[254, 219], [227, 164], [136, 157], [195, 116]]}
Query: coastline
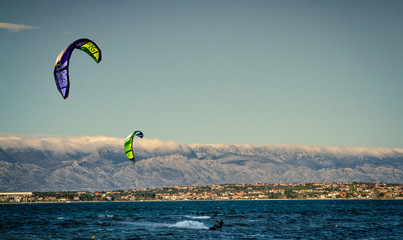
{"points": [[225, 192], [213, 200]]}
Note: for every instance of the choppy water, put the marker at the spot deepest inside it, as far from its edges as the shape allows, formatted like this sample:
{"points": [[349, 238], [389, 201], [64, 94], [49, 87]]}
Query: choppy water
{"points": [[316, 219]]}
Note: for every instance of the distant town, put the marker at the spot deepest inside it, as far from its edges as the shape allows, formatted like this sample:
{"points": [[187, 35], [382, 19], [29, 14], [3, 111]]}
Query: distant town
{"points": [[256, 191]]}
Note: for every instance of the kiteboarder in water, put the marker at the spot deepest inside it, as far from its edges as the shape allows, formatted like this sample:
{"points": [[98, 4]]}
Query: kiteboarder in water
{"points": [[215, 227]]}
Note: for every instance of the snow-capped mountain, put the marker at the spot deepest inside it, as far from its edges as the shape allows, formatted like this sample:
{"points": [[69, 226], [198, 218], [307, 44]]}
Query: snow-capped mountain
{"points": [[60, 163]]}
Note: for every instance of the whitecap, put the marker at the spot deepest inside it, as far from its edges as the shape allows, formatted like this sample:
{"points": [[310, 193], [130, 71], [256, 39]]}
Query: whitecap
{"points": [[189, 224], [197, 217]]}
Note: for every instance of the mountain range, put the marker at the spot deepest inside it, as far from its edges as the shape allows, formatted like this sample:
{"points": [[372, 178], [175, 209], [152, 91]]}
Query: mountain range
{"points": [[97, 163]]}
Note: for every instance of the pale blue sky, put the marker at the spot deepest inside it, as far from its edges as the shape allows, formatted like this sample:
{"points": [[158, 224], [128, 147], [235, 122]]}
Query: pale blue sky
{"points": [[259, 72]]}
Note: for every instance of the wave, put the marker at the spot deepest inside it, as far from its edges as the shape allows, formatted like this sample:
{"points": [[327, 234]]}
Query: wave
{"points": [[197, 217], [188, 224], [106, 216]]}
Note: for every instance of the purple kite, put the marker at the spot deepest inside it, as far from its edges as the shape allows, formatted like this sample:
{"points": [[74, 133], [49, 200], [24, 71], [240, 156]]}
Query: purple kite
{"points": [[61, 70]]}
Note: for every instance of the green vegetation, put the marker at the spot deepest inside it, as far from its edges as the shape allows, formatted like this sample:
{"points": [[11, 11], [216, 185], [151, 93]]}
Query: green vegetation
{"points": [[255, 191]]}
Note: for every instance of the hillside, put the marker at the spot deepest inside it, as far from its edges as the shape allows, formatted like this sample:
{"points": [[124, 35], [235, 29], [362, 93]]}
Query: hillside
{"points": [[61, 163]]}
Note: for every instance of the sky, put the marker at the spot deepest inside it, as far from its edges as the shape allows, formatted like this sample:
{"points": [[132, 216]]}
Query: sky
{"points": [[226, 71]]}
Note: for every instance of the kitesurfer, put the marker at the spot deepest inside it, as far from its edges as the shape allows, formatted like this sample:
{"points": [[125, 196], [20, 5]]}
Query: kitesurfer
{"points": [[215, 227]]}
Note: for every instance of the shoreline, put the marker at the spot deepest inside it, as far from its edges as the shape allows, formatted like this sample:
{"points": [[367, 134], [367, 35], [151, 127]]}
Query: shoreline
{"points": [[224, 192], [218, 200]]}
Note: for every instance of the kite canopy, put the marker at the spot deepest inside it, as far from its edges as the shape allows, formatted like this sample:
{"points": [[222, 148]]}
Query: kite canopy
{"points": [[61, 70], [129, 144]]}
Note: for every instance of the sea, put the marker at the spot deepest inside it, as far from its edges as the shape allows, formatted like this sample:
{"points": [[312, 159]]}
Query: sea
{"points": [[262, 219]]}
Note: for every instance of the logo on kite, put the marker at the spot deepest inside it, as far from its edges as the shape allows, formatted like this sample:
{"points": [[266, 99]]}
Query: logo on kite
{"points": [[61, 70], [129, 144]]}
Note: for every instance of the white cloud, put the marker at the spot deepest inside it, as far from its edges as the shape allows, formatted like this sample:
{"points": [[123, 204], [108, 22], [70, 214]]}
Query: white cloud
{"points": [[338, 151], [164, 147], [69, 144], [15, 27], [88, 144]]}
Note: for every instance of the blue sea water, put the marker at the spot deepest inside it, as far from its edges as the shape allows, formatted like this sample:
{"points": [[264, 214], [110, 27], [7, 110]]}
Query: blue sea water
{"points": [[274, 219]]}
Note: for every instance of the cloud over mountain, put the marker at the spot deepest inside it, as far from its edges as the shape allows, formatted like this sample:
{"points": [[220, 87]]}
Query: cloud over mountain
{"points": [[52, 163]]}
